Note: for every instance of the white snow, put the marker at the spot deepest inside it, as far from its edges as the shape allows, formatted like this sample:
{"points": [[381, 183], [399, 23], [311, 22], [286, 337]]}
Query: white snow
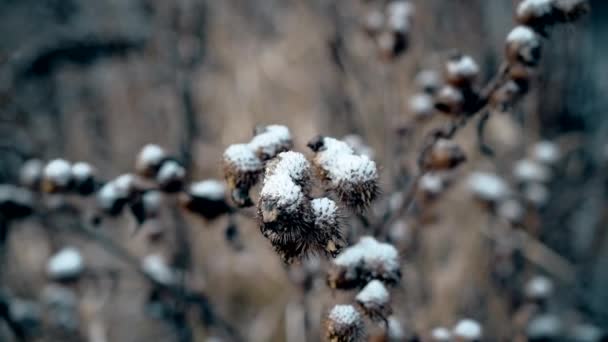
{"points": [[374, 292], [283, 189], [536, 7], [68, 262], [151, 154], [324, 210], [395, 330], [271, 139], [511, 210], [488, 186], [522, 34], [170, 170], [152, 201], [546, 152], [242, 157], [450, 92], [539, 287], [441, 334], [464, 66], [421, 104], [82, 171], [399, 15], [31, 171], [431, 182], [123, 184], [527, 170], [294, 164], [345, 314], [155, 266], [468, 329], [58, 171], [371, 252], [428, 79], [212, 189], [9, 192]]}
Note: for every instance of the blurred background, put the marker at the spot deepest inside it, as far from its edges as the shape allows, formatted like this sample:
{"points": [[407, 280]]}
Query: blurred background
{"points": [[97, 80]]}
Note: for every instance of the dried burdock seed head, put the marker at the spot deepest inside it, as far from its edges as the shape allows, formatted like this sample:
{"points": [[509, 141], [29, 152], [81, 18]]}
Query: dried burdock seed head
{"points": [[270, 141], [431, 185], [526, 171], [421, 106], [293, 164], [545, 327], [399, 15], [445, 154], [114, 195], [536, 193], [523, 46], [242, 169], [374, 300], [539, 288], [364, 261], [441, 334], [354, 178], [155, 266], [461, 70], [428, 81], [344, 324], [206, 198], [57, 176], [537, 14], [467, 330], [449, 100], [392, 43], [30, 174], [373, 22], [149, 160], [488, 187], [170, 176], [327, 225], [546, 152], [65, 265], [83, 177], [15, 202]]}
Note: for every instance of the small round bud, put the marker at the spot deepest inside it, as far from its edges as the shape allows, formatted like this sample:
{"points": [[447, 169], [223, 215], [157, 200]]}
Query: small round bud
{"points": [[537, 14], [392, 43], [344, 324], [461, 70], [488, 187], [149, 160], [546, 152], [114, 195], [146, 206], [242, 169], [526, 171], [399, 15], [449, 100], [83, 176], [467, 330], [170, 176], [270, 141], [431, 185], [546, 327], [374, 300], [539, 288], [512, 211], [15, 203], [155, 266], [65, 265], [523, 46], [30, 175], [428, 81], [57, 176], [536, 193], [206, 198], [373, 22], [445, 154], [441, 334], [421, 106], [327, 225]]}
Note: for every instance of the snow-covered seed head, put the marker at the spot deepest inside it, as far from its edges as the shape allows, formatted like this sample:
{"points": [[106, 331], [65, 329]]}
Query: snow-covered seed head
{"points": [[30, 174], [83, 176], [441, 334], [363, 262], [149, 160], [242, 169], [535, 13], [431, 185], [65, 265], [523, 46], [428, 80], [511, 210], [148, 206], [344, 324], [293, 164], [467, 330], [546, 152], [539, 288], [354, 178], [449, 100], [326, 217], [155, 266], [421, 106], [373, 22], [270, 141], [170, 176], [527, 171], [206, 198], [461, 70], [544, 327], [15, 202], [536, 193], [57, 176], [374, 300], [445, 154], [114, 195], [488, 187], [392, 43], [570, 10], [399, 15]]}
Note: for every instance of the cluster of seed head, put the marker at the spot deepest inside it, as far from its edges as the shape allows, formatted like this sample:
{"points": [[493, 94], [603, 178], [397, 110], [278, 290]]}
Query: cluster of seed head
{"points": [[352, 177], [374, 300], [363, 262], [295, 223], [59, 176], [458, 95], [244, 163], [154, 163], [389, 26], [344, 324]]}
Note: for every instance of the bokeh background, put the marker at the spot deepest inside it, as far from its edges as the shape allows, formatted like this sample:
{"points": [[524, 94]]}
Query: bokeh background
{"points": [[97, 80]]}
